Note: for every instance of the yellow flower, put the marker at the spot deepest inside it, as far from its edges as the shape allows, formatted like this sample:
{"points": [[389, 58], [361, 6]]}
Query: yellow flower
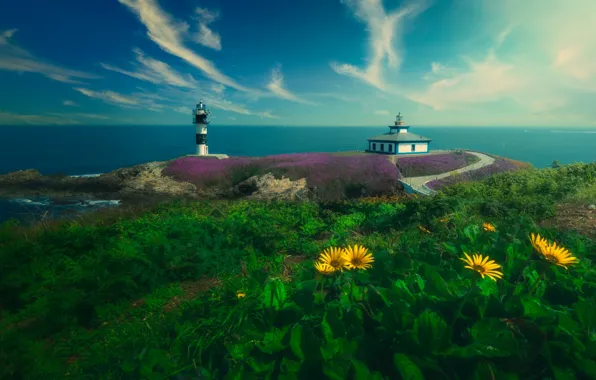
{"points": [[323, 268], [444, 220], [333, 257], [357, 257], [483, 266], [489, 227], [423, 229], [552, 251], [240, 294]]}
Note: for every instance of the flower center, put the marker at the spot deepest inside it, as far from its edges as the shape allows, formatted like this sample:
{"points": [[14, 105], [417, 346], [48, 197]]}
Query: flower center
{"points": [[551, 258], [479, 268], [356, 261], [335, 263]]}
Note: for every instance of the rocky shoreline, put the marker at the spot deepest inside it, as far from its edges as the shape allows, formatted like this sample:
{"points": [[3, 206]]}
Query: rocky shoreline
{"points": [[142, 183]]}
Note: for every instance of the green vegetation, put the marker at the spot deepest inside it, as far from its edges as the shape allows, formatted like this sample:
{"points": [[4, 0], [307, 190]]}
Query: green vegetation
{"points": [[228, 290]]}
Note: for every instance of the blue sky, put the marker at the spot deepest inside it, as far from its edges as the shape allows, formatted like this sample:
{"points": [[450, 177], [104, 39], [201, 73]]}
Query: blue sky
{"points": [[308, 62]]}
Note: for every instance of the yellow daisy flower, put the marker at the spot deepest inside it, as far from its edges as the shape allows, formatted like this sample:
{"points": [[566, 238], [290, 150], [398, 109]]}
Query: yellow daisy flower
{"points": [[323, 268], [357, 257], [240, 294], [444, 220], [483, 266], [333, 257], [423, 229], [489, 227], [553, 252]]}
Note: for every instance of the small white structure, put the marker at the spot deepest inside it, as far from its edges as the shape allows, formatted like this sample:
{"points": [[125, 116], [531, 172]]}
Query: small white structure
{"points": [[200, 120], [399, 140]]}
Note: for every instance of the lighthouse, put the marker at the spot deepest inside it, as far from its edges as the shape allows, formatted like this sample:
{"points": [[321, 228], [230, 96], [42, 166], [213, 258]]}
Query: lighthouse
{"points": [[200, 120]]}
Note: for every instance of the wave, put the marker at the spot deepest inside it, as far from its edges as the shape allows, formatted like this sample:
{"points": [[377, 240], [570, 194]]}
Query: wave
{"points": [[31, 202], [86, 175]]}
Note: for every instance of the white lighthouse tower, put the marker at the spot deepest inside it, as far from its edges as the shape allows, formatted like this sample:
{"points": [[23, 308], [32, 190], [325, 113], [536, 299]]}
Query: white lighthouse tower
{"points": [[200, 120]]}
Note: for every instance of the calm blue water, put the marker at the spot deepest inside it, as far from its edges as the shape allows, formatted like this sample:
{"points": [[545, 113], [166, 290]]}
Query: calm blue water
{"points": [[92, 149]]}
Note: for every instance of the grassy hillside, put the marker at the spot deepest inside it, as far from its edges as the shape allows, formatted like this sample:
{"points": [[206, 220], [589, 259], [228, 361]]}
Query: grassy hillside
{"points": [[228, 289]]}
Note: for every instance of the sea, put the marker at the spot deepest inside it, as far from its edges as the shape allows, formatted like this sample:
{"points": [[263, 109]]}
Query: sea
{"points": [[91, 150]]}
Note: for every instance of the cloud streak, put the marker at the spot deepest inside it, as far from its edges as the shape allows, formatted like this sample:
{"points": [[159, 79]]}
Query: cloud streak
{"points": [[169, 35], [385, 33], [276, 86], [15, 58], [206, 36], [154, 71]]}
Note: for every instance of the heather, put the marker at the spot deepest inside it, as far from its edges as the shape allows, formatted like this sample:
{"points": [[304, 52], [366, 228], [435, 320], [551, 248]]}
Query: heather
{"points": [[431, 164], [499, 166], [227, 289], [331, 177]]}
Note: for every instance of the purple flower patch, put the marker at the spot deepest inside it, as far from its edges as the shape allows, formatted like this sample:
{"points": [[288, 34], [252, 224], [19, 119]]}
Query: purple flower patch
{"points": [[332, 176], [500, 165], [434, 163]]}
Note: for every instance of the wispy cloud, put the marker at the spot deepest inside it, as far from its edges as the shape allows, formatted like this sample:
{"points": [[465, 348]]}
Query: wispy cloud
{"points": [[15, 58], [381, 112], [110, 97], [154, 71], [80, 115], [276, 86], [385, 31], [70, 103], [169, 35], [206, 36]]}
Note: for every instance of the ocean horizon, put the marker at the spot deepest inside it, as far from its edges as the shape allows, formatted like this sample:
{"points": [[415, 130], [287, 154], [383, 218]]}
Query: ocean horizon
{"points": [[84, 150]]}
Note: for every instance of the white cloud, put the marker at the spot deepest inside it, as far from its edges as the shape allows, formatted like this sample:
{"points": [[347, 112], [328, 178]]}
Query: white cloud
{"points": [[154, 71], [70, 103], [231, 118], [385, 33], [169, 35], [205, 36], [547, 67], [80, 115], [218, 88], [15, 58], [276, 86], [381, 112], [184, 110]]}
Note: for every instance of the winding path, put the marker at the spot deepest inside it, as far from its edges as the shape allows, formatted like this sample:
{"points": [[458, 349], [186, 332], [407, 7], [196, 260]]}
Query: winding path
{"points": [[418, 183]]}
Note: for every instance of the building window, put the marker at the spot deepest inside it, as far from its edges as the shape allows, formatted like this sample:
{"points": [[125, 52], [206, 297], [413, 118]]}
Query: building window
{"points": [[390, 147], [382, 147], [374, 146], [413, 147]]}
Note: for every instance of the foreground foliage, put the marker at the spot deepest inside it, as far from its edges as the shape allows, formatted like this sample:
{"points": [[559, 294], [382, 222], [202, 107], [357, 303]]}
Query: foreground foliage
{"points": [[241, 290]]}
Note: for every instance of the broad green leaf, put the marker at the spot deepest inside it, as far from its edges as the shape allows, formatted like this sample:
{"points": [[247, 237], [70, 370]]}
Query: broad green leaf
{"points": [[264, 369], [483, 371], [290, 366], [296, 341], [429, 330], [337, 370], [330, 349], [450, 248], [274, 295], [272, 341], [587, 366], [438, 285], [401, 288], [586, 313], [491, 338], [407, 368], [563, 373], [471, 233]]}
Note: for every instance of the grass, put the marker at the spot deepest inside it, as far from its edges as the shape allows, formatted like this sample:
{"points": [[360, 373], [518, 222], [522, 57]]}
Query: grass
{"points": [[153, 293]]}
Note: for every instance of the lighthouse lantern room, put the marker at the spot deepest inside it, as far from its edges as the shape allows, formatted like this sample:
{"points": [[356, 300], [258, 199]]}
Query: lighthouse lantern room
{"points": [[200, 120]]}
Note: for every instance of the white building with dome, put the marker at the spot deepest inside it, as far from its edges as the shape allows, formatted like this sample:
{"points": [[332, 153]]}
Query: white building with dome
{"points": [[399, 140]]}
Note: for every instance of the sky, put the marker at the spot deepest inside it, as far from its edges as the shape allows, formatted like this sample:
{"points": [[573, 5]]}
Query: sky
{"points": [[304, 63]]}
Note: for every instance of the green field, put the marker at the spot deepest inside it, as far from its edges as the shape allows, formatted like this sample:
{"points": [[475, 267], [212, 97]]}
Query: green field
{"points": [[228, 289]]}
